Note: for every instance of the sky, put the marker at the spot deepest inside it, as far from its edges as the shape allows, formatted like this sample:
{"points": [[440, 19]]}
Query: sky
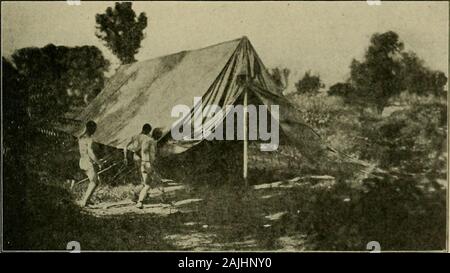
{"points": [[322, 37]]}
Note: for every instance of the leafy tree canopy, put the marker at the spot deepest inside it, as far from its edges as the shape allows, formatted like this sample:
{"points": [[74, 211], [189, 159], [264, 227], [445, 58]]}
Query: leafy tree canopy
{"points": [[281, 77], [121, 30], [55, 78], [385, 72], [309, 84]]}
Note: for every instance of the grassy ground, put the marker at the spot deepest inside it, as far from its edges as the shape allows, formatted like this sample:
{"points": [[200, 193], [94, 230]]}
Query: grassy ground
{"points": [[40, 213]]}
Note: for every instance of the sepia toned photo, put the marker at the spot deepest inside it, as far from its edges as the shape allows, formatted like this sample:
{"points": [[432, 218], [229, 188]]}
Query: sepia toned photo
{"points": [[200, 126]]}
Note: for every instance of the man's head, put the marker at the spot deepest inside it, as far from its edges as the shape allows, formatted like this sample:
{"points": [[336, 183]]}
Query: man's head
{"points": [[157, 134], [91, 127], [146, 129]]}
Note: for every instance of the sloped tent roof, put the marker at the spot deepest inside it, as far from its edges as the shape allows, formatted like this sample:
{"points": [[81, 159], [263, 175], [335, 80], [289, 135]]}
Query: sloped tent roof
{"points": [[145, 92]]}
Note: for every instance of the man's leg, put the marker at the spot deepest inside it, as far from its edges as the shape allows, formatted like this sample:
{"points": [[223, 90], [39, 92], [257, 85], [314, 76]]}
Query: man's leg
{"points": [[138, 164], [144, 190], [93, 179]]}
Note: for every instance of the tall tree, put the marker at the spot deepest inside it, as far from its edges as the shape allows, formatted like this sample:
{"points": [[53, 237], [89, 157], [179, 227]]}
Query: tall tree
{"points": [[15, 136], [385, 72], [376, 78], [54, 78], [84, 73], [309, 84], [121, 30]]}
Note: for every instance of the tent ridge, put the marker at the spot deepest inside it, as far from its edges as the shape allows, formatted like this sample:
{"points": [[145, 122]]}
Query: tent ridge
{"points": [[186, 51]]}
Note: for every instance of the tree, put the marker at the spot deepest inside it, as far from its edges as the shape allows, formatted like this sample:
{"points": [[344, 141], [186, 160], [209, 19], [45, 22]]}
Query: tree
{"points": [[40, 69], [84, 79], [54, 78], [15, 135], [377, 77], [420, 80], [309, 84], [280, 77], [385, 72], [344, 90], [121, 30], [14, 102]]}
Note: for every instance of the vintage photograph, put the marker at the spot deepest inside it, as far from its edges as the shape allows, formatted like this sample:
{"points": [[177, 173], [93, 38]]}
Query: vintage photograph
{"points": [[200, 126]]}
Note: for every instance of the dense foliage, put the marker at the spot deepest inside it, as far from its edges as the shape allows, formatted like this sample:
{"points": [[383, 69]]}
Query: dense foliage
{"points": [[309, 84], [385, 72], [281, 77], [403, 207], [122, 30], [55, 78]]}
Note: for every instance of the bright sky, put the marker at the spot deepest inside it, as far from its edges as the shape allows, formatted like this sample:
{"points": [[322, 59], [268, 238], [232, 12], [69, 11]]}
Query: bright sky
{"points": [[319, 36]]}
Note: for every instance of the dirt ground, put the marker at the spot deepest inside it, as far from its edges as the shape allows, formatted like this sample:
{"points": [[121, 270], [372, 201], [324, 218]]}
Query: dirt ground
{"points": [[306, 212], [196, 231]]}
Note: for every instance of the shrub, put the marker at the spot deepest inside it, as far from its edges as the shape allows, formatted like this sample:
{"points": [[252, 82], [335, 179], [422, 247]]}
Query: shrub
{"points": [[337, 123], [407, 139], [391, 210]]}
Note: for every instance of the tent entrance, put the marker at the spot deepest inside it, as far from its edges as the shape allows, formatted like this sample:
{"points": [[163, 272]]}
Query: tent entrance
{"points": [[223, 161]]}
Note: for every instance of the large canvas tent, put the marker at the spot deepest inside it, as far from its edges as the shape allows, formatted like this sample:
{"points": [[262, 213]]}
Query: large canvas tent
{"points": [[147, 91]]}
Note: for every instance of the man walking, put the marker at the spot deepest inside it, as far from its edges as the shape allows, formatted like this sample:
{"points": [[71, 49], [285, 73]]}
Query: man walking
{"points": [[148, 158], [135, 145]]}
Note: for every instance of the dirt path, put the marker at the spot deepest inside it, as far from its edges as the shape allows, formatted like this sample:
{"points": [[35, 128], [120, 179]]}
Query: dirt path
{"points": [[197, 234]]}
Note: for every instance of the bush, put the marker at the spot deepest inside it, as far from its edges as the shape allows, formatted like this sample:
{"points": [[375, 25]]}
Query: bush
{"points": [[391, 210], [337, 123], [404, 208], [411, 139]]}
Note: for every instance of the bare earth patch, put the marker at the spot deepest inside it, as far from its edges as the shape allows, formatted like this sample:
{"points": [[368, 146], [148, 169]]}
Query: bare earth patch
{"points": [[292, 243]]}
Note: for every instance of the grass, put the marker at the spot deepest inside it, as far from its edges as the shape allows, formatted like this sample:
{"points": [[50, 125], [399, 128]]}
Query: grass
{"points": [[40, 214]]}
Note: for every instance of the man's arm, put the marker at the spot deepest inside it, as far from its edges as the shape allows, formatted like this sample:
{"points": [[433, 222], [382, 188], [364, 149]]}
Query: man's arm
{"points": [[92, 154], [152, 151], [125, 151]]}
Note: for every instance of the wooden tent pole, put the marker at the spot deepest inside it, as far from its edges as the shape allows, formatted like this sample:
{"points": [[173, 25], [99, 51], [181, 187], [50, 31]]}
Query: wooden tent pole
{"points": [[245, 154]]}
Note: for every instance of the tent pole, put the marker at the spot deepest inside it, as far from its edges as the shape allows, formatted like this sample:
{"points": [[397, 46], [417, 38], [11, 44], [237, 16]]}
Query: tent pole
{"points": [[245, 154]]}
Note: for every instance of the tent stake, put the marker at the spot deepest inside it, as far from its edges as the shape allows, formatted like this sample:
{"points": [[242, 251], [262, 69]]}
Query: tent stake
{"points": [[245, 159]]}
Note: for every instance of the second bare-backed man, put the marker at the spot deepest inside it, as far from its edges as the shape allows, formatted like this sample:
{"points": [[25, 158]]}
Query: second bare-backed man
{"points": [[148, 172]]}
